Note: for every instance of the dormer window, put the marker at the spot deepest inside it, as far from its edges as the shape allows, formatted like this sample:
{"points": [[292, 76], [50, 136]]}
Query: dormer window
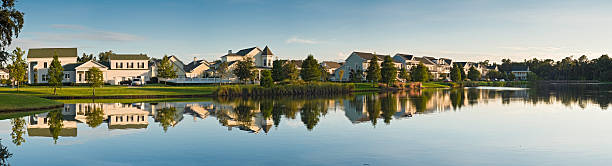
{"points": [[45, 65]]}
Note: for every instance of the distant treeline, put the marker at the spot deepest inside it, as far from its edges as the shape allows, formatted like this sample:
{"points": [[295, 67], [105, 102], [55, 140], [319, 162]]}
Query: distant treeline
{"points": [[566, 69]]}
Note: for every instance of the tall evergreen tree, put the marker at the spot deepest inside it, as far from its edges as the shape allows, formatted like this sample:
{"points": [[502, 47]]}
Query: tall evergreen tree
{"points": [[244, 70], [455, 74], [388, 71], [291, 71], [420, 73], [473, 74], [278, 72], [17, 70], [55, 74], [166, 69], [310, 69], [404, 74], [373, 71], [222, 71], [266, 80]]}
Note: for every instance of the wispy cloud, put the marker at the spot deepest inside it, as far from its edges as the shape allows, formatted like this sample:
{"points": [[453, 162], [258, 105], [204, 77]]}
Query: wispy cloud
{"points": [[79, 32], [301, 41]]}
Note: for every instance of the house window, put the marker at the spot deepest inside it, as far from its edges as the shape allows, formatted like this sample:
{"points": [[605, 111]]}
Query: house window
{"points": [[45, 65], [116, 65], [132, 65], [120, 65], [66, 76]]}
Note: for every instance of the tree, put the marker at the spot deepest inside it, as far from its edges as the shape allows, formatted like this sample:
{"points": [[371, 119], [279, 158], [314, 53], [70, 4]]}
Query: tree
{"points": [[55, 74], [420, 73], [373, 71], [455, 74], [18, 130], [473, 74], [278, 70], [292, 71], [222, 71], [462, 72], [388, 71], [56, 123], [95, 78], [494, 75], [310, 69], [356, 76], [11, 23], [166, 69], [166, 117], [104, 56], [404, 74], [244, 70], [84, 58], [94, 117], [17, 70], [267, 80]]}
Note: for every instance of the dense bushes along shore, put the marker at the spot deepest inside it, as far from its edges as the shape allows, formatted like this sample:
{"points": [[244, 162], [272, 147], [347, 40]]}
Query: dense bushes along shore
{"points": [[290, 89]]}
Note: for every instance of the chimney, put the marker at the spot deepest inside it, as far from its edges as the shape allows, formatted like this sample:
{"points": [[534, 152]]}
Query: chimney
{"points": [[195, 58], [229, 51]]}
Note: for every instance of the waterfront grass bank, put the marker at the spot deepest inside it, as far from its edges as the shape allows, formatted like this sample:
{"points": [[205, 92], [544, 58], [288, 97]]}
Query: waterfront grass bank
{"points": [[290, 89], [11, 103]]}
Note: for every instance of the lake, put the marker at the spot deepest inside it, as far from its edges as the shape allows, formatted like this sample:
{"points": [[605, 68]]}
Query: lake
{"points": [[546, 125]]}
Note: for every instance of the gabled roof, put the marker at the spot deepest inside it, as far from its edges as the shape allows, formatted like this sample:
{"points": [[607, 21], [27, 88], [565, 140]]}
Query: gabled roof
{"points": [[298, 63], [266, 51], [424, 60], [73, 66], [369, 56], [128, 57], [4, 70], [331, 65], [520, 68], [405, 56], [189, 67], [243, 52], [50, 52]]}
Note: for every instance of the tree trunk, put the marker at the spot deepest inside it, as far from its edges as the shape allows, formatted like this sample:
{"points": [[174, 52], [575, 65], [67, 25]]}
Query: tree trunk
{"points": [[94, 92], [54, 91]]}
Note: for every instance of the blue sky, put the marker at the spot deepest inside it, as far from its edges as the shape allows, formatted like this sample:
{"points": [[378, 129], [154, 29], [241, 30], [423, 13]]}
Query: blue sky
{"points": [[471, 30]]}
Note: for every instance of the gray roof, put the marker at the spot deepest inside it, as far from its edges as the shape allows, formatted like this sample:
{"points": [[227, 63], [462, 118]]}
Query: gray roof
{"points": [[128, 57], [266, 51], [331, 65], [369, 56], [50, 52], [243, 52], [189, 67], [405, 56], [520, 68], [71, 66], [424, 60]]}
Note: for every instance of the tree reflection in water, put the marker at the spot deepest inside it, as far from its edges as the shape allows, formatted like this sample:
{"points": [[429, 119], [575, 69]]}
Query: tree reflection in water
{"points": [[55, 121], [389, 106], [94, 116], [373, 107], [18, 130], [311, 112], [166, 117], [4, 155]]}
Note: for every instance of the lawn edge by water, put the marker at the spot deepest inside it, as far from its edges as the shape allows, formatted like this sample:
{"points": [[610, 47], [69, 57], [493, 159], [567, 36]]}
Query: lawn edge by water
{"points": [[18, 103]]}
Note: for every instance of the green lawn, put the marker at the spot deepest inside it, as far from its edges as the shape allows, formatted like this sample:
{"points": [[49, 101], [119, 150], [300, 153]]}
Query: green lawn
{"points": [[12, 102], [434, 85], [113, 90], [364, 86], [135, 100]]}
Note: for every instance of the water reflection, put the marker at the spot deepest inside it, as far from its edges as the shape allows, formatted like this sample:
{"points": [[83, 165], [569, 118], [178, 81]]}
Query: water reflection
{"points": [[260, 115]]}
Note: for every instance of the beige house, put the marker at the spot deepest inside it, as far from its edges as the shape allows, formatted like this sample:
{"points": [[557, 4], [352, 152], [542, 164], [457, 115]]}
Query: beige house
{"points": [[358, 61], [39, 60], [4, 74], [262, 58]]}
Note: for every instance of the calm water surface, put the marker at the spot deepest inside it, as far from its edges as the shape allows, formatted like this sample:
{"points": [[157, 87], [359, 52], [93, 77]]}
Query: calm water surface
{"points": [[549, 125]]}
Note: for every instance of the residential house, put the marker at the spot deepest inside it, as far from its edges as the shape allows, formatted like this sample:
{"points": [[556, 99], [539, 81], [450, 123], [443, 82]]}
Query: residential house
{"points": [[39, 61], [520, 71], [408, 61], [196, 69], [442, 67], [262, 58], [123, 67], [4, 74], [330, 66], [358, 61]]}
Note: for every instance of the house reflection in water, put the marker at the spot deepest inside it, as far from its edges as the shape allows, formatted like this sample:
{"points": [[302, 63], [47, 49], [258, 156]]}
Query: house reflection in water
{"points": [[244, 116], [38, 125]]}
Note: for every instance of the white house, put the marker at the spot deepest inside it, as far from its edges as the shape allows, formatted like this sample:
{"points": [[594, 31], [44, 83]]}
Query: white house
{"points": [[4, 74], [262, 58], [39, 60], [358, 61], [123, 67], [520, 71]]}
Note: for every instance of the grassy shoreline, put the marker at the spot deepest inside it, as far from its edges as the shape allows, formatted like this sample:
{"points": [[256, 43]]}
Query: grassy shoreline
{"points": [[25, 103]]}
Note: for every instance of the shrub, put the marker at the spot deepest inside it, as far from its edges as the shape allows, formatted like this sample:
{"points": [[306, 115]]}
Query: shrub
{"points": [[291, 89]]}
